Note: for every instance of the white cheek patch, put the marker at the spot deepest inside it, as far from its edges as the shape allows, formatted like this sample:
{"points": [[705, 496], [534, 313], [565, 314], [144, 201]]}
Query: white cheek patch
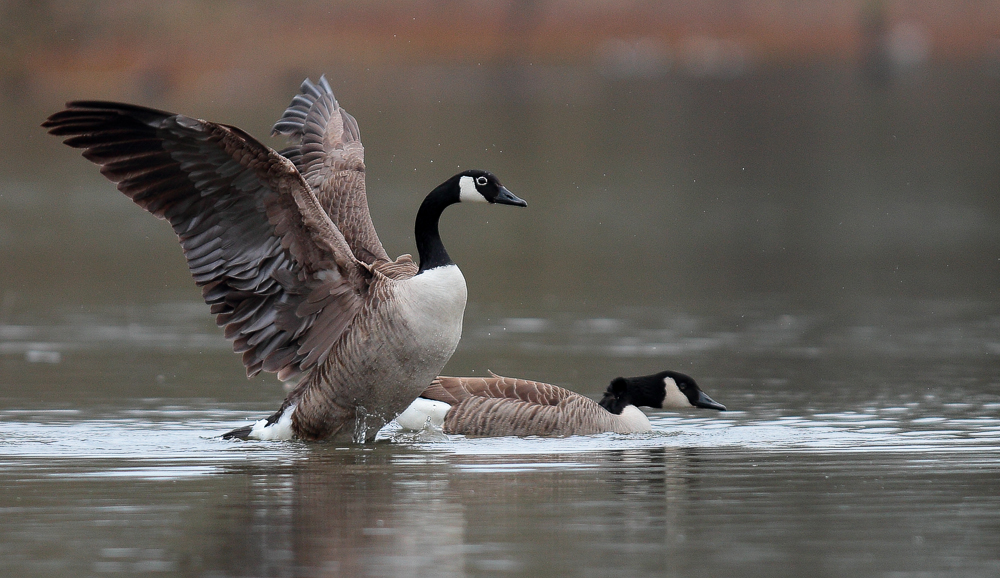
{"points": [[467, 192], [674, 399]]}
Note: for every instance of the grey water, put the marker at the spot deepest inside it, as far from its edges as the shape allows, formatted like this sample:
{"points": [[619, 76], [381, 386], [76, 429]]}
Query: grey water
{"points": [[821, 256]]}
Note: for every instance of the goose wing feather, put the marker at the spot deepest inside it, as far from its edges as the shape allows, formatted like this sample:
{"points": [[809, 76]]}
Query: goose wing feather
{"points": [[505, 406], [454, 390], [274, 268], [328, 152]]}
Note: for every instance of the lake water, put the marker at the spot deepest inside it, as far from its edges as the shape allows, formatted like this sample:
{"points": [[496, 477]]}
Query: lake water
{"points": [[821, 256], [847, 450]]}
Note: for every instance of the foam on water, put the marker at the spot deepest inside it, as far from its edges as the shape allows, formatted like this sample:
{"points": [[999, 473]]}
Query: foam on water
{"points": [[184, 442], [827, 433]]}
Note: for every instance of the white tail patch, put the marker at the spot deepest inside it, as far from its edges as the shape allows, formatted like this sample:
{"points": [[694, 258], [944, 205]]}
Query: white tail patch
{"points": [[279, 430], [467, 192]]}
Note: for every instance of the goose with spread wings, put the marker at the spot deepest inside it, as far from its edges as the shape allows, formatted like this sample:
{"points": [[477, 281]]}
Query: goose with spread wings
{"points": [[285, 252]]}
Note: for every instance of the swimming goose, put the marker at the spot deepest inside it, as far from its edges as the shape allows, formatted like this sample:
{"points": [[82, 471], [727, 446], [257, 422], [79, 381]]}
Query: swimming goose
{"points": [[505, 406], [285, 252]]}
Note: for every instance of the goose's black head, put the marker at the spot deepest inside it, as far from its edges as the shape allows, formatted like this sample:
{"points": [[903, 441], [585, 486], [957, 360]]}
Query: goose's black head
{"points": [[667, 389], [467, 186], [475, 186]]}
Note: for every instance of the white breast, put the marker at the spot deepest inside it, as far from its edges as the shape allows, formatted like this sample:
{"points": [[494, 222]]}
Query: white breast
{"points": [[433, 305], [421, 412], [632, 420]]}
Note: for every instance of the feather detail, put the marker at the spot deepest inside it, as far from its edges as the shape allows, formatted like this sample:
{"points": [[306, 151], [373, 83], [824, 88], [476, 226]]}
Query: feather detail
{"points": [[327, 150], [271, 263], [505, 406]]}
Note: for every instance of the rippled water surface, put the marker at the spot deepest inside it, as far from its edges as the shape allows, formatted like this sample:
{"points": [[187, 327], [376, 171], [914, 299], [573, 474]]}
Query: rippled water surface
{"points": [[848, 450]]}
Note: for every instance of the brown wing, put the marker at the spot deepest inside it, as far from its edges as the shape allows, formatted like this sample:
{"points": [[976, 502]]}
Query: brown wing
{"points": [[273, 267], [491, 416], [506, 406], [402, 268], [327, 151], [453, 390]]}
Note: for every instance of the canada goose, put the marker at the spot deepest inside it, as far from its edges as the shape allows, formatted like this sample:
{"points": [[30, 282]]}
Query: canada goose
{"points": [[285, 252], [505, 406]]}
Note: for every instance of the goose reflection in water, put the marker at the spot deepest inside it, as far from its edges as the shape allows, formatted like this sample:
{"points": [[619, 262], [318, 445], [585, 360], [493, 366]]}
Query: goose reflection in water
{"points": [[426, 513]]}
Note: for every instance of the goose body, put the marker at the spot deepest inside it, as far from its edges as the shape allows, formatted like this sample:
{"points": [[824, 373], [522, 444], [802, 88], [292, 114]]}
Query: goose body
{"points": [[285, 251], [505, 406]]}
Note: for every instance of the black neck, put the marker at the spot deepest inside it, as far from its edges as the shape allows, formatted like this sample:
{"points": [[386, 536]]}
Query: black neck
{"points": [[616, 397], [614, 404], [425, 231], [647, 390], [623, 391]]}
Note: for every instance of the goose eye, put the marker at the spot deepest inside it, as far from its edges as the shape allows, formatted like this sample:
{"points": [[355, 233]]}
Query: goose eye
{"points": [[481, 181]]}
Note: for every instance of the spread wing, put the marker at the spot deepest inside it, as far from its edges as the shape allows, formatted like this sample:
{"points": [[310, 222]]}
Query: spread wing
{"points": [[505, 406], [276, 271], [327, 151]]}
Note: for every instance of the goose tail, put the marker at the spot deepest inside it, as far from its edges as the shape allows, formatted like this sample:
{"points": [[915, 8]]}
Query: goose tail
{"points": [[240, 433], [276, 427]]}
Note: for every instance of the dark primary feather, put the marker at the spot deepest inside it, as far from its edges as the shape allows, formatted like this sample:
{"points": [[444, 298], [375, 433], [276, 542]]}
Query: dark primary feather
{"points": [[277, 273], [327, 151]]}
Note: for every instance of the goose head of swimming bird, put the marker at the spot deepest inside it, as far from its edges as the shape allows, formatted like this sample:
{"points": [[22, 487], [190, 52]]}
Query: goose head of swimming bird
{"points": [[666, 389]]}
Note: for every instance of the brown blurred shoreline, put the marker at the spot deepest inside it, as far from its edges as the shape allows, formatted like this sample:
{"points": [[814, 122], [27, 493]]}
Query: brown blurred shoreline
{"points": [[179, 50]]}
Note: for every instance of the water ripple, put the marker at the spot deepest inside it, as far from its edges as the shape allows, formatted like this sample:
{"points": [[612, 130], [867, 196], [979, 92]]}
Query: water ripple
{"points": [[184, 443]]}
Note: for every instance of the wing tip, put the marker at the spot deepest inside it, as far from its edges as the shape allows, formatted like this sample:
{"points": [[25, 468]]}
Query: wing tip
{"points": [[81, 115], [293, 121]]}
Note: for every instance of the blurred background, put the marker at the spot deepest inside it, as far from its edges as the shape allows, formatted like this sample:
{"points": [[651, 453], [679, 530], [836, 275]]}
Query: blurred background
{"points": [[835, 156], [668, 150]]}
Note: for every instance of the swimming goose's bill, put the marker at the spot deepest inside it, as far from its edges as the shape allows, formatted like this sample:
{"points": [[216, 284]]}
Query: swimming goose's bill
{"points": [[505, 406], [285, 252]]}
